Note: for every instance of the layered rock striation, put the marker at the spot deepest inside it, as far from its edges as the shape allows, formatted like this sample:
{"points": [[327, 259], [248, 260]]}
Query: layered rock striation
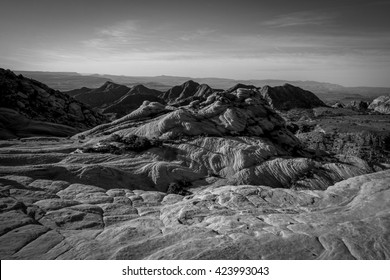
{"points": [[231, 137], [54, 219]]}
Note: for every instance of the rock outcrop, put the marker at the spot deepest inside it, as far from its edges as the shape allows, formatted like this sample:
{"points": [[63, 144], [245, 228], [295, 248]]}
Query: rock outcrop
{"points": [[338, 105], [381, 104], [289, 97], [234, 137], [358, 105], [41, 109], [186, 93]]}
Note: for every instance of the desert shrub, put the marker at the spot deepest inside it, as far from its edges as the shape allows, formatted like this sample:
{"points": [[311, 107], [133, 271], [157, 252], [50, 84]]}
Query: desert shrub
{"points": [[386, 143], [117, 144], [179, 188], [155, 142], [135, 143]]}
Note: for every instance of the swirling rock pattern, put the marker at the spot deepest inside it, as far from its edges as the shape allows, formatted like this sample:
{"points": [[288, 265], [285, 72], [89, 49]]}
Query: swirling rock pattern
{"points": [[349, 220]]}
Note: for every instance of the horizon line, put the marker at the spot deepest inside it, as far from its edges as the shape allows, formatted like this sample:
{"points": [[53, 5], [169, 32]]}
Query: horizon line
{"points": [[211, 77]]}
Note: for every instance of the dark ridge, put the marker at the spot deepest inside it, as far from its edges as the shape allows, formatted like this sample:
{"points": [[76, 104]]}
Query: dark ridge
{"points": [[289, 97]]}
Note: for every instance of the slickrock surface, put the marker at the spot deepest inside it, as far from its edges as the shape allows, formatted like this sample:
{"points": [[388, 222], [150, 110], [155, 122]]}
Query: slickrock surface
{"points": [[54, 219], [32, 108]]}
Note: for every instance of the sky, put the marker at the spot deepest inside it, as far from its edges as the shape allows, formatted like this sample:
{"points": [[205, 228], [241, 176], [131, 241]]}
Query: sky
{"points": [[345, 42]]}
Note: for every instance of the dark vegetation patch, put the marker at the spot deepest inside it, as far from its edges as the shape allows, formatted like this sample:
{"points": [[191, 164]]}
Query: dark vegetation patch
{"points": [[116, 144], [179, 187]]}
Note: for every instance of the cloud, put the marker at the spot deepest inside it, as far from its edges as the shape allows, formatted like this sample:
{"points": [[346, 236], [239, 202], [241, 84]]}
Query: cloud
{"points": [[120, 29], [299, 19], [129, 34], [197, 34]]}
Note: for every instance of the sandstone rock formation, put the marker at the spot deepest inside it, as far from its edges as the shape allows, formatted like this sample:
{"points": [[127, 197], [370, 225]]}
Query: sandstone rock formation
{"points": [[54, 219], [40, 109], [234, 136], [381, 104], [220, 177], [288, 97]]}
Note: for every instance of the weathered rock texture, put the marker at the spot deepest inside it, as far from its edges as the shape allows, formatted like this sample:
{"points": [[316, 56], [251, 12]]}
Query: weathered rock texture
{"points": [[219, 178], [39, 108], [372, 147], [53, 219], [381, 104], [234, 136]]}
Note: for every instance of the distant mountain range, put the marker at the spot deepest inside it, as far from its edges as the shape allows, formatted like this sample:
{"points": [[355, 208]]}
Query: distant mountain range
{"points": [[328, 92], [115, 98]]}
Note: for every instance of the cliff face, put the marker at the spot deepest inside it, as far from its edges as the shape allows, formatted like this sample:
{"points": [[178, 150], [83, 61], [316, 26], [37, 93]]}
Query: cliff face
{"points": [[39, 103]]}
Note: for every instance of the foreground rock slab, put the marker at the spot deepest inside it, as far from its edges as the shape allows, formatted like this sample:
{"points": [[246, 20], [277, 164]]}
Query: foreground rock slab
{"points": [[349, 220]]}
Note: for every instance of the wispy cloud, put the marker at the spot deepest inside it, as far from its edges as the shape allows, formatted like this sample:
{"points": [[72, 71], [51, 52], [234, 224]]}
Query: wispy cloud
{"points": [[125, 34], [299, 19], [120, 29], [141, 36], [197, 34]]}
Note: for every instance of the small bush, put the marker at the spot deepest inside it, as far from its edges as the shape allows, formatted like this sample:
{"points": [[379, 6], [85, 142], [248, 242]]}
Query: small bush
{"points": [[179, 188], [117, 144]]}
